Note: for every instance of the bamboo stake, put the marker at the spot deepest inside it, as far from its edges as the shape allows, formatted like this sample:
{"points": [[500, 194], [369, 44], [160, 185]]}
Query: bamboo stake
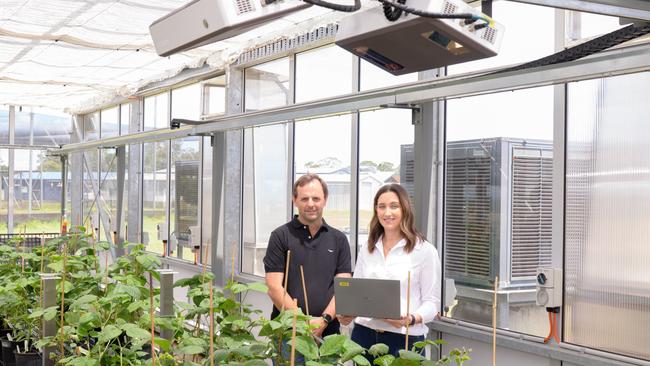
{"points": [[408, 310], [95, 253], [293, 333], [494, 322], [22, 249], [304, 290], [65, 255], [153, 336], [42, 265], [211, 326], [286, 277]]}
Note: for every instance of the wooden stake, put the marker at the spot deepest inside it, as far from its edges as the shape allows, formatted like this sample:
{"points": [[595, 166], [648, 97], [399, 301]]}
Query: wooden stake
{"points": [[211, 326], [153, 336], [286, 277], [95, 253], [494, 322], [408, 310], [293, 333], [42, 264], [304, 290]]}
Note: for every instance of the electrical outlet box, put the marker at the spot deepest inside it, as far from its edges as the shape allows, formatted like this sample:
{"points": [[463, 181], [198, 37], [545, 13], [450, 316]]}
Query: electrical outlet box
{"points": [[162, 231], [549, 287]]}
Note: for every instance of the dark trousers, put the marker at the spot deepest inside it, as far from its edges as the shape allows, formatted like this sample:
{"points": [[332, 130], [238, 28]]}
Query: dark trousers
{"points": [[333, 328], [367, 337]]}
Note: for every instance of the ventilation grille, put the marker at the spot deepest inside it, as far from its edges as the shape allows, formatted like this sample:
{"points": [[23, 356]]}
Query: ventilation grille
{"points": [[468, 212], [532, 197], [449, 8], [244, 6], [285, 45], [407, 169], [490, 35]]}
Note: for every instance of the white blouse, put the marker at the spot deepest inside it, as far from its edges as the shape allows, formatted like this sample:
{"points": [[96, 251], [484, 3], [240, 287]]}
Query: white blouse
{"points": [[424, 264]]}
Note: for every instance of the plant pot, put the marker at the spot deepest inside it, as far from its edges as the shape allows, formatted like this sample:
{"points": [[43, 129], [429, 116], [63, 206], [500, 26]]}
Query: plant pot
{"points": [[8, 348], [28, 359]]}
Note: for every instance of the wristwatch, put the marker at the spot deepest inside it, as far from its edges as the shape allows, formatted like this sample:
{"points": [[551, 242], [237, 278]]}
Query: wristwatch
{"points": [[412, 323], [328, 318]]}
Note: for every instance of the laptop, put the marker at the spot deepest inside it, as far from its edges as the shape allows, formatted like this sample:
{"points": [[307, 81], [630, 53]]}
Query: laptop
{"points": [[367, 297]]}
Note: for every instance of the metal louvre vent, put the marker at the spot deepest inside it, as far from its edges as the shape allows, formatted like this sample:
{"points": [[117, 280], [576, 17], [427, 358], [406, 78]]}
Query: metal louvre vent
{"points": [[282, 46], [244, 6], [407, 169], [468, 212], [449, 8], [532, 197], [490, 35]]}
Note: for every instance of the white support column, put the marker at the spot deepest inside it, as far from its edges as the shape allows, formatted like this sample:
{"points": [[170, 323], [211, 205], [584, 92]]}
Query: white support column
{"points": [[227, 182], [10, 175], [76, 174], [135, 194]]}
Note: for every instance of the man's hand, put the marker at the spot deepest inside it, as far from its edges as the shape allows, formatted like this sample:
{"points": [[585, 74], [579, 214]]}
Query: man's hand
{"points": [[344, 319], [320, 322]]}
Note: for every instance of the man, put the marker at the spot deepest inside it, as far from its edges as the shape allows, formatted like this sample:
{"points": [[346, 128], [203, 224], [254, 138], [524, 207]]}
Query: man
{"points": [[322, 250]]}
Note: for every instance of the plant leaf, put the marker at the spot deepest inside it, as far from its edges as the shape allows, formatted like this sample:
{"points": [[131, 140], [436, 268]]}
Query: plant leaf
{"points": [[163, 343], [191, 350], [411, 356], [360, 360], [109, 332], [258, 286], [332, 344], [385, 360], [378, 349], [307, 346]]}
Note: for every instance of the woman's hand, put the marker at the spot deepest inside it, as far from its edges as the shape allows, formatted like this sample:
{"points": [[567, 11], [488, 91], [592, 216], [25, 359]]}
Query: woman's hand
{"points": [[398, 323], [345, 320]]}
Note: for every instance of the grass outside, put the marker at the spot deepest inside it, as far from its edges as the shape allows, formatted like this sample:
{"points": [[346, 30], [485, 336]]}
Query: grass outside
{"points": [[22, 207], [33, 226]]}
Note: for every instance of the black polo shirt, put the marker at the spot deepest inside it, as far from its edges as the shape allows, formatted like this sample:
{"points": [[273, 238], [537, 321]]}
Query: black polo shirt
{"points": [[322, 257]]}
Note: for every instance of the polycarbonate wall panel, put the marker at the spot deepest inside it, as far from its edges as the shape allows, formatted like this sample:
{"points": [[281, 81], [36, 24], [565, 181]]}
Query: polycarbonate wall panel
{"points": [[607, 299], [4, 125]]}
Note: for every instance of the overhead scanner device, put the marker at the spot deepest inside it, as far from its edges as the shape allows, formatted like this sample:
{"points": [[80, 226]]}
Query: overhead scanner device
{"points": [[408, 44], [201, 22], [416, 43]]}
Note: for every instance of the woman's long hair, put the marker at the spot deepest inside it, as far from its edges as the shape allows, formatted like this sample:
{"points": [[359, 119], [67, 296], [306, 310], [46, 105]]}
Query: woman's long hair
{"points": [[407, 225]]}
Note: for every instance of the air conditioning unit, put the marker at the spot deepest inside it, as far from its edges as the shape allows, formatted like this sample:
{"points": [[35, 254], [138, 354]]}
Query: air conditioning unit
{"points": [[201, 22], [414, 43], [498, 211]]}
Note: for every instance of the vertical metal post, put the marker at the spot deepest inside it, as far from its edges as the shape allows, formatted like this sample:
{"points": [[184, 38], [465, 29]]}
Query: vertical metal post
{"points": [[354, 165], [166, 299], [227, 183], [10, 174], [30, 192], [76, 174], [121, 168], [64, 186], [135, 194], [49, 299]]}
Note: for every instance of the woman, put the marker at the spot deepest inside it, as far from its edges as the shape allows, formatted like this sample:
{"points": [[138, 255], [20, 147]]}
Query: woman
{"points": [[393, 249]]}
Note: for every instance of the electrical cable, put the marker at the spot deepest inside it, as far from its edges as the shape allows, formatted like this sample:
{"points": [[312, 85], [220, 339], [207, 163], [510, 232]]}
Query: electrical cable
{"points": [[337, 7], [393, 13], [587, 48], [427, 14]]}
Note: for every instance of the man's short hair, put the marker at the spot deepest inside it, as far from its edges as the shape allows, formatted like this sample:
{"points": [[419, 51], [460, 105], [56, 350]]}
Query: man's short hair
{"points": [[305, 179]]}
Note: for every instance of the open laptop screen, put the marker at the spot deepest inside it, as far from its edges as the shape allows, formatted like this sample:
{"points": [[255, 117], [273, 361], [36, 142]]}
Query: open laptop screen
{"points": [[367, 297]]}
